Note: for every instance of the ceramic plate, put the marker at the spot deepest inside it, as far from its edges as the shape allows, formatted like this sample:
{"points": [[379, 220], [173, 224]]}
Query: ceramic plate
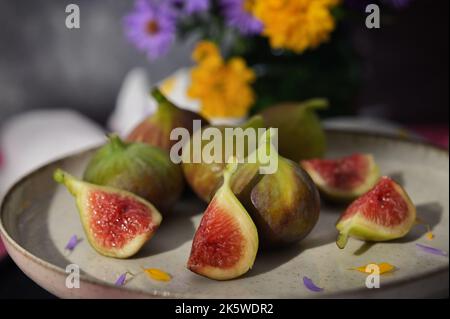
{"points": [[38, 217]]}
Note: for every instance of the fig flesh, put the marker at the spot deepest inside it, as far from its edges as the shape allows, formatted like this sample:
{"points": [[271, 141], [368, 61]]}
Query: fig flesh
{"points": [[384, 213], [226, 242], [343, 179], [117, 223], [138, 168], [155, 130]]}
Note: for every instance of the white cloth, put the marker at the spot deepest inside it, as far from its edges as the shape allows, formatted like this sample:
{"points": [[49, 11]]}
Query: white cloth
{"points": [[32, 139]]}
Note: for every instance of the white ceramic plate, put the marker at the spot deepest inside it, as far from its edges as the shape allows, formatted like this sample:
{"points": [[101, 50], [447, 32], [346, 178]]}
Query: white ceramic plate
{"points": [[38, 217]]}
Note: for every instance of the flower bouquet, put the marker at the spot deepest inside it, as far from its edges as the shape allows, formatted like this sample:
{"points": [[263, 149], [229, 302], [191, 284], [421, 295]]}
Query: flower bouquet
{"points": [[255, 53]]}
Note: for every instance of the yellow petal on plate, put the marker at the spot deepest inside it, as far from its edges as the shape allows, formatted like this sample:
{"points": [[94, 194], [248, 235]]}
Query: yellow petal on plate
{"points": [[157, 274], [429, 235], [384, 268]]}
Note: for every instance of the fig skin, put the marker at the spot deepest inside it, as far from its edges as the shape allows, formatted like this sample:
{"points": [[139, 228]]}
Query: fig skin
{"points": [[356, 223], [300, 132], [224, 216], [82, 192], [155, 129], [138, 168], [206, 178], [285, 206]]}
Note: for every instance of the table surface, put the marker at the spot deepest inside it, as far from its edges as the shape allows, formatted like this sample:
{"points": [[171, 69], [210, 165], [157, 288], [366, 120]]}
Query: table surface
{"points": [[15, 284]]}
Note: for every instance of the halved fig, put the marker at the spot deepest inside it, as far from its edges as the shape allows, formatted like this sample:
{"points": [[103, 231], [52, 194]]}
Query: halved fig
{"points": [[226, 242], [343, 179], [117, 223], [384, 213]]}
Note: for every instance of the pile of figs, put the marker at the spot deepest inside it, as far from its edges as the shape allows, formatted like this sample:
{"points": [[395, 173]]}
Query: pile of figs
{"points": [[130, 184]]}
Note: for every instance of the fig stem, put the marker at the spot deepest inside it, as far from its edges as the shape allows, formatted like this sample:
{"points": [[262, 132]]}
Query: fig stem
{"points": [[159, 96], [116, 142], [231, 167], [265, 146], [164, 105], [342, 240], [68, 180]]}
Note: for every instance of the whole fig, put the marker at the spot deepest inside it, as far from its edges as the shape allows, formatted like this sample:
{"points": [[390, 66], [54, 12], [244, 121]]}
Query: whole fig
{"points": [[138, 168], [284, 205], [205, 178], [155, 129], [300, 132]]}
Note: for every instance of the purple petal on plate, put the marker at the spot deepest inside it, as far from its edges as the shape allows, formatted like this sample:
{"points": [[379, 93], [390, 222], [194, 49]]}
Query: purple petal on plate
{"points": [[432, 250], [73, 242], [121, 280], [310, 285]]}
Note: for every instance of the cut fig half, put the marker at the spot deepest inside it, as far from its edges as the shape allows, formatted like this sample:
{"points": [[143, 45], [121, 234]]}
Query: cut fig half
{"points": [[343, 179], [384, 213], [226, 242], [117, 223]]}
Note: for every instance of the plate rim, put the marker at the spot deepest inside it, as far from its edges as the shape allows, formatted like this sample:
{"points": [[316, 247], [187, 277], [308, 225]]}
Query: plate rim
{"points": [[159, 293]]}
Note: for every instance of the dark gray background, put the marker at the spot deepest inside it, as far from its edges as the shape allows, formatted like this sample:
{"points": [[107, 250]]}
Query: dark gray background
{"points": [[45, 65]]}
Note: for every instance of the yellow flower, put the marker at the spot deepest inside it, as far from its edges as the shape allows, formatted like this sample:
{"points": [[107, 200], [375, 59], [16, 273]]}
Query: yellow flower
{"points": [[296, 25], [223, 87]]}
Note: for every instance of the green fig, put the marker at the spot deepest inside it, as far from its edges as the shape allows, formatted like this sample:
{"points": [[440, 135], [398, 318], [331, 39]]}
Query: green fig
{"points": [[284, 205], [226, 242], [300, 132], [155, 129], [206, 178], [117, 223], [139, 168]]}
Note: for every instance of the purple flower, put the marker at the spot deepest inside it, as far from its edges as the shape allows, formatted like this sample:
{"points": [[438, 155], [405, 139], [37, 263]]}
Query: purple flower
{"points": [[238, 14], [311, 285], [151, 27], [72, 243], [190, 7], [121, 280]]}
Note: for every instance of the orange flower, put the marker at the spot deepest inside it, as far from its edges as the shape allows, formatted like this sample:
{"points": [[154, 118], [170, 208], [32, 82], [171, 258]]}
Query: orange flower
{"points": [[223, 87], [296, 25]]}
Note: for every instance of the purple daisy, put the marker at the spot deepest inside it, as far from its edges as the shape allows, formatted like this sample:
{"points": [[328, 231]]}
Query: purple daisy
{"points": [[190, 7], [151, 27], [238, 15]]}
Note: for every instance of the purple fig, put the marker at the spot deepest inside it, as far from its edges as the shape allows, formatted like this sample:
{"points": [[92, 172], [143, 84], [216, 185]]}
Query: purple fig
{"points": [[285, 205], [155, 129]]}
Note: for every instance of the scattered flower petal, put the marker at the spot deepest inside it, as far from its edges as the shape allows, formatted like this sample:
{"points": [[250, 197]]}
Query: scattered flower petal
{"points": [[157, 274], [310, 285], [384, 268], [432, 250], [121, 280], [73, 242], [429, 235]]}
